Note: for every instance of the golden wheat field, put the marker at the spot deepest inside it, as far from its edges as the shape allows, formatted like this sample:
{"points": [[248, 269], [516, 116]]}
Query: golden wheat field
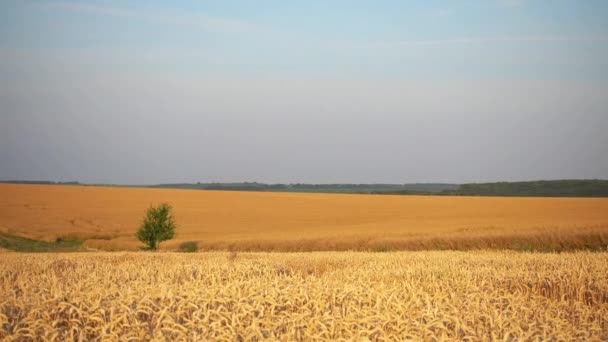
{"points": [[108, 217], [487, 293], [433, 295]]}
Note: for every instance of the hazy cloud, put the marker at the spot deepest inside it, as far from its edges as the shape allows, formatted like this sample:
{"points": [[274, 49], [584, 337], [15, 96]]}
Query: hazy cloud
{"points": [[484, 40], [162, 16]]}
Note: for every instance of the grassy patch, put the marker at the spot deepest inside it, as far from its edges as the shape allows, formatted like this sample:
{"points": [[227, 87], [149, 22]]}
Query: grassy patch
{"points": [[21, 244]]}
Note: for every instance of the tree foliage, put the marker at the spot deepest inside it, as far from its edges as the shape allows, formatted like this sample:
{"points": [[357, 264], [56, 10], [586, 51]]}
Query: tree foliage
{"points": [[158, 225], [554, 188]]}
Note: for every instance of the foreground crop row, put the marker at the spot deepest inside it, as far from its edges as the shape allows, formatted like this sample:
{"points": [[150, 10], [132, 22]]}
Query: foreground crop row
{"points": [[303, 296]]}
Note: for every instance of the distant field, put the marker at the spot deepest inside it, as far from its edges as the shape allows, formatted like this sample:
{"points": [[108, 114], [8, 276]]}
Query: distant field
{"points": [[217, 296], [106, 218]]}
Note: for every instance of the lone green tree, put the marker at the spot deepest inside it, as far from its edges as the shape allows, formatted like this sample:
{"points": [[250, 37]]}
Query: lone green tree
{"points": [[158, 225]]}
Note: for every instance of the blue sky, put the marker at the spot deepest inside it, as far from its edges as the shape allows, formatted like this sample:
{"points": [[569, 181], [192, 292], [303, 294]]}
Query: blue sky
{"points": [[381, 78], [501, 38]]}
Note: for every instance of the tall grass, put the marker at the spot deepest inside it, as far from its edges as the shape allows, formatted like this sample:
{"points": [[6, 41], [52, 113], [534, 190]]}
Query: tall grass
{"points": [[539, 240]]}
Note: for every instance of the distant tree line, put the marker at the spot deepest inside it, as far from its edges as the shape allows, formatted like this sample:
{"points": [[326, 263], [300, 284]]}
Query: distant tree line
{"points": [[38, 182], [541, 188], [554, 188], [320, 188]]}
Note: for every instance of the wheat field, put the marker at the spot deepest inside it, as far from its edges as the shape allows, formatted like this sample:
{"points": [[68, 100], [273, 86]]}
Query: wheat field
{"points": [[433, 295], [484, 293], [106, 218]]}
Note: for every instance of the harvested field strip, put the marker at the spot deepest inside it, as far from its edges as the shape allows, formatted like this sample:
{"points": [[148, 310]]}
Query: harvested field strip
{"points": [[304, 296], [108, 217]]}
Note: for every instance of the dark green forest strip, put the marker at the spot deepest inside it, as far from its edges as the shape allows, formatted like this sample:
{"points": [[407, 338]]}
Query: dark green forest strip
{"points": [[542, 188], [558, 188]]}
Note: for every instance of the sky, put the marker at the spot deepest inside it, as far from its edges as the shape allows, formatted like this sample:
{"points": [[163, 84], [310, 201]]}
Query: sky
{"points": [[385, 91]]}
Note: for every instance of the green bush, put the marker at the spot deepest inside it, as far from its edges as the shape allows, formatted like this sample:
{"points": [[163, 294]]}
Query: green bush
{"points": [[188, 247]]}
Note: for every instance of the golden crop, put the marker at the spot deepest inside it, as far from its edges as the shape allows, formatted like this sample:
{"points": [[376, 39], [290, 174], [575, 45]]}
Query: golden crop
{"points": [[108, 217], [304, 296]]}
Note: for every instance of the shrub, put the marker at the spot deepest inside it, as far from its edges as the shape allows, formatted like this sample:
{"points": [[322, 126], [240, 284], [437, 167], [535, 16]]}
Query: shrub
{"points": [[188, 247]]}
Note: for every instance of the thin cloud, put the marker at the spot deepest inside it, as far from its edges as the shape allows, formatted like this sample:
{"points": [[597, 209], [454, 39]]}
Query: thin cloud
{"points": [[164, 16], [511, 3], [482, 40]]}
